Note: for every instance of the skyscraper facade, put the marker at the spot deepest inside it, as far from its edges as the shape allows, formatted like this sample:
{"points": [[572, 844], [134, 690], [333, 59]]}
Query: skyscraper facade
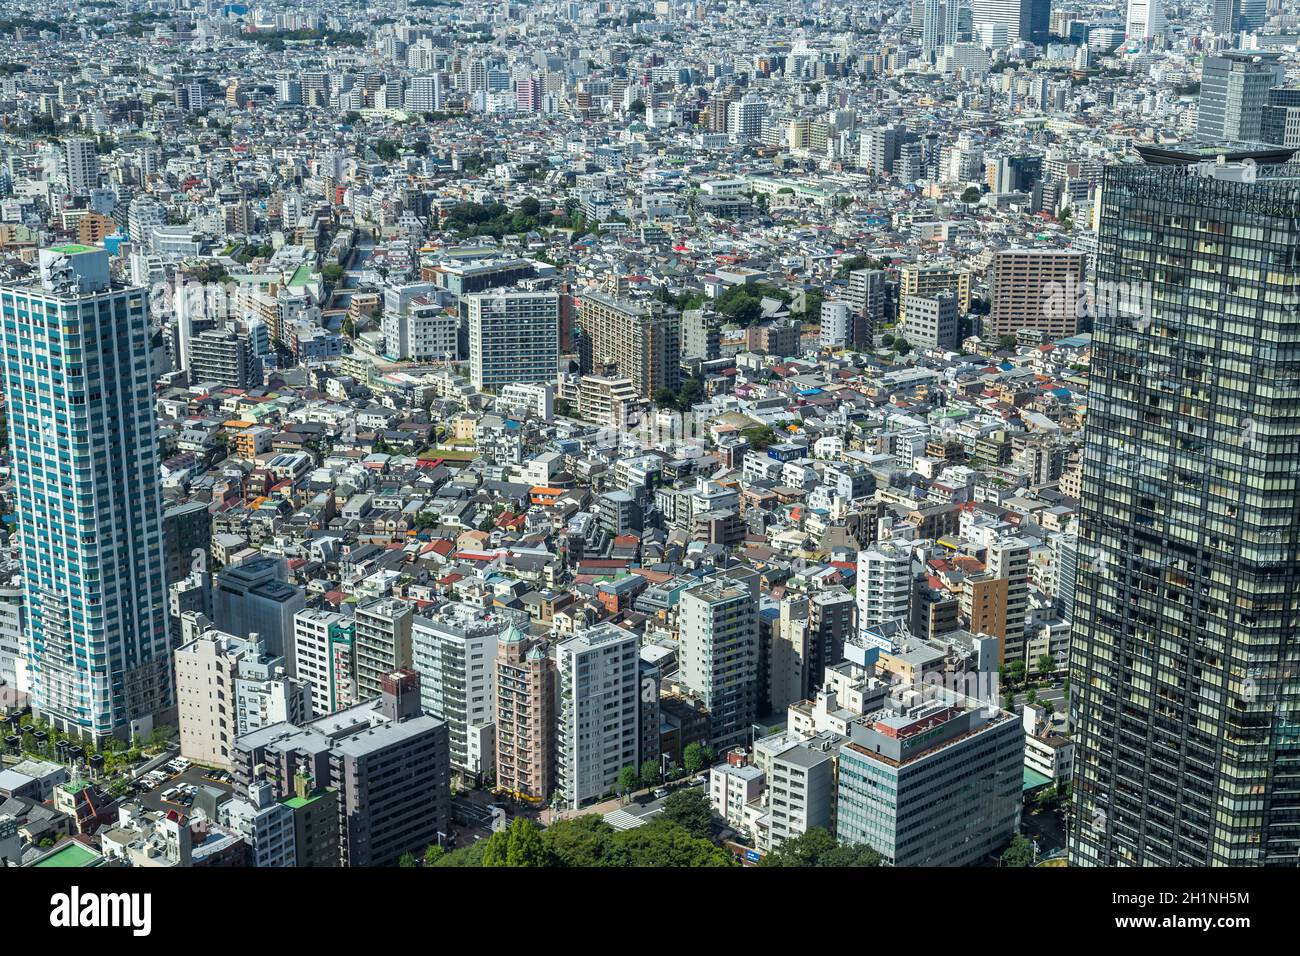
{"points": [[1184, 656], [85, 466], [1234, 93]]}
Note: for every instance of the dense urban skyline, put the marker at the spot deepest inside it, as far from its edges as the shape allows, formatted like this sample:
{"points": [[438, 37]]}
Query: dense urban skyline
{"points": [[652, 433]]}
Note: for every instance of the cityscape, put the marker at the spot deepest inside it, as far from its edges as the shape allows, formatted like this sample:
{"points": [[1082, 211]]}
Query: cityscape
{"points": [[649, 433]]}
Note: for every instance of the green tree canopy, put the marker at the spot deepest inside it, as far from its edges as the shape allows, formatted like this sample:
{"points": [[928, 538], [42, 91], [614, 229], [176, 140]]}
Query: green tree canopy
{"points": [[689, 808]]}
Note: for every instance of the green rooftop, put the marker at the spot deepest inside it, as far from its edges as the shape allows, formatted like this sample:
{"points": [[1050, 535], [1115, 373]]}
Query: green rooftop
{"points": [[297, 803], [1033, 780], [72, 854], [73, 248]]}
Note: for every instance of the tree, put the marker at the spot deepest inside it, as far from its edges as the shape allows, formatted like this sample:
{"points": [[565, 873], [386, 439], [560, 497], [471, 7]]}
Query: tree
{"points": [[627, 780], [1016, 671], [696, 757], [471, 855], [852, 854], [902, 346], [1031, 696], [526, 847], [971, 195], [1006, 342], [432, 854], [579, 841], [663, 843], [1019, 853], [803, 850], [758, 436], [406, 859], [689, 808], [1045, 664], [650, 773]]}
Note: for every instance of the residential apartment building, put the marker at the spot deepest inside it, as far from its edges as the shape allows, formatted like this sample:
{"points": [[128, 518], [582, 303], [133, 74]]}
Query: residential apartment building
{"points": [[597, 718], [514, 336], [525, 718], [719, 657], [87, 489], [641, 339]]}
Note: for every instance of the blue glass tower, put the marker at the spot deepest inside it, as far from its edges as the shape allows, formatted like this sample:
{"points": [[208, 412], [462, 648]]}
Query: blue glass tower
{"points": [[85, 467]]}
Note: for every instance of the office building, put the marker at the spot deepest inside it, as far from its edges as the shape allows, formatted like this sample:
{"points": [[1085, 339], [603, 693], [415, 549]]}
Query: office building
{"points": [[1145, 20], [1234, 92], [79, 403], [932, 778], [932, 322], [514, 336], [1280, 123], [719, 655], [597, 717], [255, 598], [1184, 701]]}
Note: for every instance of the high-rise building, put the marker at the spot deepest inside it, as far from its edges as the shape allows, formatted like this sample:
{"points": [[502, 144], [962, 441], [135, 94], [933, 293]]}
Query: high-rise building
{"points": [[867, 297], [931, 779], [79, 399], [719, 655], [1036, 289], [884, 585], [525, 693], [1145, 20], [642, 339], [597, 717], [514, 336], [1234, 92], [1280, 123], [81, 165], [384, 760], [1183, 659], [455, 653], [383, 642]]}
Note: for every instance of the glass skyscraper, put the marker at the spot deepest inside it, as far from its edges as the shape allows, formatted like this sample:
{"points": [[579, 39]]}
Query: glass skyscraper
{"points": [[85, 467], [1185, 659]]}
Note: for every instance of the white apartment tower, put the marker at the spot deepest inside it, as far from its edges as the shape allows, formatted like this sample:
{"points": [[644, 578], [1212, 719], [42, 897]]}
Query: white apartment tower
{"points": [[598, 712]]}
